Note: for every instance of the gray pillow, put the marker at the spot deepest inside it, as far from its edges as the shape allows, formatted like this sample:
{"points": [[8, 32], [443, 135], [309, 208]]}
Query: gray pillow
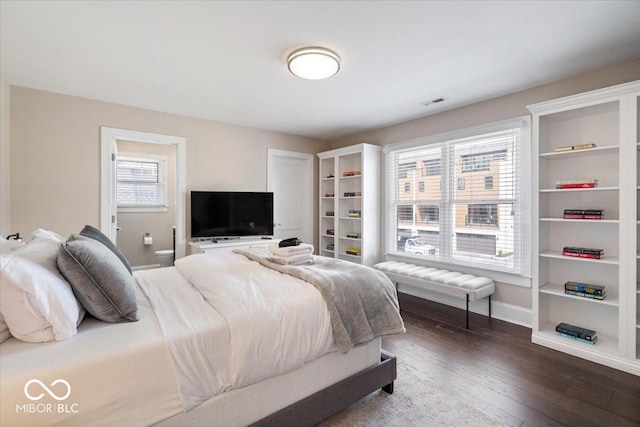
{"points": [[94, 233], [99, 281]]}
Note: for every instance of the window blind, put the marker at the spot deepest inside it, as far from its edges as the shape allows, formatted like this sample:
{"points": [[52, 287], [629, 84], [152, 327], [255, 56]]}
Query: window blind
{"points": [[462, 194], [140, 182]]}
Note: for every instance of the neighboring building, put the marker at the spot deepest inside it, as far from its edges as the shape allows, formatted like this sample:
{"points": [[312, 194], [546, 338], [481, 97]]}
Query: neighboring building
{"points": [[479, 176]]}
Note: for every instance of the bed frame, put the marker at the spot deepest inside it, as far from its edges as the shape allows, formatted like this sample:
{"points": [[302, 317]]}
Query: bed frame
{"points": [[326, 402]]}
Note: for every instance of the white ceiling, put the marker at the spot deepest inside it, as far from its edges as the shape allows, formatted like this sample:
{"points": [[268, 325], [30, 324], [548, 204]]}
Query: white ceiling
{"points": [[225, 61]]}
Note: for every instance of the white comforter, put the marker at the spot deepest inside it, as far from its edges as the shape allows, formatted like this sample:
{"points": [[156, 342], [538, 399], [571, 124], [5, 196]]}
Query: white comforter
{"points": [[246, 323]]}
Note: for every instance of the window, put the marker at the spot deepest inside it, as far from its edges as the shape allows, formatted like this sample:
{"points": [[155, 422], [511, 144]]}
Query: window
{"points": [[407, 187], [421, 186], [482, 215], [431, 167], [488, 182], [480, 220], [141, 183]]}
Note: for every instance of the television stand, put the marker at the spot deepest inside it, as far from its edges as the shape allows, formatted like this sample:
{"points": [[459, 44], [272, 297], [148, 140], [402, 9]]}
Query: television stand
{"points": [[227, 245]]}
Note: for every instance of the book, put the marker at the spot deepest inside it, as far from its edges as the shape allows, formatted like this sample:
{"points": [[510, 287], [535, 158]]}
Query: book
{"points": [[330, 213], [353, 251], [576, 185], [592, 342], [576, 331], [574, 147], [585, 295], [579, 255], [563, 148], [584, 287], [330, 232], [580, 250], [584, 146], [583, 213], [329, 194], [351, 173], [353, 235], [570, 216]]}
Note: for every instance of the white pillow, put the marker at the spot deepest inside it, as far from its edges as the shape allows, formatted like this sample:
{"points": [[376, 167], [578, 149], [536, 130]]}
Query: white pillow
{"points": [[37, 303], [7, 246], [5, 334]]}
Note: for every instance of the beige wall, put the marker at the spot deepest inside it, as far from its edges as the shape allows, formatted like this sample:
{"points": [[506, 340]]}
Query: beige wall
{"points": [[504, 107], [158, 224], [5, 159], [55, 153]]}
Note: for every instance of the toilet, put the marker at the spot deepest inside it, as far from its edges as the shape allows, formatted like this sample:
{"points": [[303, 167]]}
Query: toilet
{"points": [[164, 257]]}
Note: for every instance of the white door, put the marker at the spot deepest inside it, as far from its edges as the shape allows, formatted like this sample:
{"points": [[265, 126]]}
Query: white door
{"points": [[290, 178]]}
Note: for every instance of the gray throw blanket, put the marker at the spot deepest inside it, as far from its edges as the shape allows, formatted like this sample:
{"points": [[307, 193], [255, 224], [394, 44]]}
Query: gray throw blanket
{"points": [[362, 302]]}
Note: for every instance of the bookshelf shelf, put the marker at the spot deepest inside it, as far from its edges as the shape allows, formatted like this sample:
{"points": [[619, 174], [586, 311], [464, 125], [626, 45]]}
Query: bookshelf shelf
{"points": [[558, 290], [609, 118], [585, 221], [558, 255], [606, 344], [351, 218], [596, 151], [565, 190]]}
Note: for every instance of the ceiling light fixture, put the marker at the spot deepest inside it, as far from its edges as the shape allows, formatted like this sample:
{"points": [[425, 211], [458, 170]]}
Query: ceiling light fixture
{"points": [[313, 63]]}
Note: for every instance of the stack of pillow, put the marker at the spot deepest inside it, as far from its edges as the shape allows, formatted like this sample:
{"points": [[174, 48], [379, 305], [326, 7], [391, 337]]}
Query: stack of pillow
{"points": [[301, 254], [48, 283]]}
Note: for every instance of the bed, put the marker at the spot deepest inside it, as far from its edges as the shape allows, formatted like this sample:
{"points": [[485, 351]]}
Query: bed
{"points": [[250, 346]]}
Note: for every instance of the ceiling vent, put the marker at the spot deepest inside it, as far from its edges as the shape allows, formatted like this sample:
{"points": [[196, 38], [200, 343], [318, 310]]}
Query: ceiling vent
{"points": [[433, 101]]}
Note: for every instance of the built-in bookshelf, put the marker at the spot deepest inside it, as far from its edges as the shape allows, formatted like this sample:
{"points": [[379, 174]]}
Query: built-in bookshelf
{"points": [[608, 119], [350, 203]]}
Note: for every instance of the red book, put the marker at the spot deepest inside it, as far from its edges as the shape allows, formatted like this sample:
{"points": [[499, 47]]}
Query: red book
{"points": [[578, 255], [581, 185]]}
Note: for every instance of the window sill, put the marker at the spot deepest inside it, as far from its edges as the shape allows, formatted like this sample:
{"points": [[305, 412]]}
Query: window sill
{"points": [[147, 209], [496, 276]]}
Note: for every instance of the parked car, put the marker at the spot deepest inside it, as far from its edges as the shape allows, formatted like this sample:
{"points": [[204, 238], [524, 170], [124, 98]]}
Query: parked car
{"points": [[419, 247]]}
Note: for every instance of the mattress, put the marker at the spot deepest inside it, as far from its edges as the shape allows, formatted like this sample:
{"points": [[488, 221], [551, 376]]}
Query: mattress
{"points": [[117, 374]]}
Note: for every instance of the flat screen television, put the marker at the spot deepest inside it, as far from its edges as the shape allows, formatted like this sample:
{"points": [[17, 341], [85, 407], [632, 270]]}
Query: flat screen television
{"points": [[231, 214]]}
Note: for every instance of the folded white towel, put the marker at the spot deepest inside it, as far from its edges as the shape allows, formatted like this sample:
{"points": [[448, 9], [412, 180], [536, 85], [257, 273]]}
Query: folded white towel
{"points": [[292, 259], [308, 261], [303, 248]]}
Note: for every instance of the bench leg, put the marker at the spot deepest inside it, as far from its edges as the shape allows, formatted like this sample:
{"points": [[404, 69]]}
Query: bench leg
{"points": [[467, 311], [489, 306]]}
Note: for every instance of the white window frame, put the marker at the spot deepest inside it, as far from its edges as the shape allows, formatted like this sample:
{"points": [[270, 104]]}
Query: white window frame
{"points": [[523, 242], [161, 160]]}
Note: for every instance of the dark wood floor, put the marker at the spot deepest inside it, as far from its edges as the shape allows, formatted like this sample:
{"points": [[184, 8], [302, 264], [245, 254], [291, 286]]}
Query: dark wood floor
{"points": [[508, 377]]}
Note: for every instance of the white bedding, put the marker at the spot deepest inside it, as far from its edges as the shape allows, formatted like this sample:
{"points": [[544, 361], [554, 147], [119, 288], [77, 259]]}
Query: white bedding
{"points": [[246, 322], [232, 323], [119, 375]]}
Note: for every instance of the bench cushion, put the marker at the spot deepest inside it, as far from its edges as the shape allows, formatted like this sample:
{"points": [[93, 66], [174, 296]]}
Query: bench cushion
{"points": [[443, 281]]}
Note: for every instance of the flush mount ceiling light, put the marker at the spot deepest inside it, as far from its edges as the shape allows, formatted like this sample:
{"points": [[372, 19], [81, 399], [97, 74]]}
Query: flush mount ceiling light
{"points": [[313, 63]]}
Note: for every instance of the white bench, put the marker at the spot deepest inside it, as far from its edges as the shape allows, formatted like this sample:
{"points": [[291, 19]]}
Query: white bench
{"points": [[443, 281]]}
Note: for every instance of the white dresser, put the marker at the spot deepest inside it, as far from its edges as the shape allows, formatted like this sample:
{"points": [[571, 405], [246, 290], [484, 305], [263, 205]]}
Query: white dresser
{"points": [[208, 246]]}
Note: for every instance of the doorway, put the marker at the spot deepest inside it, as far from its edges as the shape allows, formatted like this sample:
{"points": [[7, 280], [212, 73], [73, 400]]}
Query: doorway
{"points": [[111, 139], [290, 178]]}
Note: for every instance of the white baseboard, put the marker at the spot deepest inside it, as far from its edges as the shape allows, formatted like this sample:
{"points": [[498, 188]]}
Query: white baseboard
{"points": [[499, 310]]}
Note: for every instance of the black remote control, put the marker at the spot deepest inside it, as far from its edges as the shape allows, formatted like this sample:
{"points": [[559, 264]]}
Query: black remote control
{"points": [[293, 241]]}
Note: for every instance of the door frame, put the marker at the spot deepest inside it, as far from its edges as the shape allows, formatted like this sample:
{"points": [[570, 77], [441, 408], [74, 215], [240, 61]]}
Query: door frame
{"points": [[108, 137], [307, 183]]}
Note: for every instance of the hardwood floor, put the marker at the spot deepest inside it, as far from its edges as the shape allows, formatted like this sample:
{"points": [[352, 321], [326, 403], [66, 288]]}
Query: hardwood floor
{"points": [[495, 369]]}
